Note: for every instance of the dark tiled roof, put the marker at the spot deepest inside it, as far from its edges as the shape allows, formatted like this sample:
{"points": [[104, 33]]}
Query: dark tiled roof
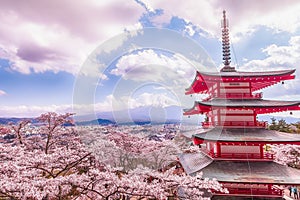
{"points": [[193, 162], [251, 135], [251, 172], [247, 103], [249, 74]]}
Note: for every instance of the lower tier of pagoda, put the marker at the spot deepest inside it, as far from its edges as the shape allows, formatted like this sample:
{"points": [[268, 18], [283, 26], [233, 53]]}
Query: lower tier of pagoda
{"points": [[244, 135], [243, 178], [240, 144]]}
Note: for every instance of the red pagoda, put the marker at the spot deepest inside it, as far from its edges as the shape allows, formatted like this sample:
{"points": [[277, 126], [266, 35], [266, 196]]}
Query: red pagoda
{"points": [[233, 142]]}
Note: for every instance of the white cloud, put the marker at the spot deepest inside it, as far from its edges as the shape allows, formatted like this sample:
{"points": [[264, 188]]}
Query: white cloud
{"points": [[149, 65], [190, 29], [160, 100], [294, 114], [2, 93], [59, 35], [109, 104], [161, 20], [278, 57], [117, 103], [134, 29], [243, 15], [32, 111], [145, 5], [41, 37], [113, 103]]}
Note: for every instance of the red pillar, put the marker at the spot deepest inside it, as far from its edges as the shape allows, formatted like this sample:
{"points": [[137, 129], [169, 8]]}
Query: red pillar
{"points": [[254, 118], [270, 188], [261, 147], [250, 89], [218, 150], [219, 117], [218, 89]]}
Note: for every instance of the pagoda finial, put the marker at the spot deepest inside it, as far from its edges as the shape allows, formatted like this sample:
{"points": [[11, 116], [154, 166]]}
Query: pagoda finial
{"points": [[226, 45]]}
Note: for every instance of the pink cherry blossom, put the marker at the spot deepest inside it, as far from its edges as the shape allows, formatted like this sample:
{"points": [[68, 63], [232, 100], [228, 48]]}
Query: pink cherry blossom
{"points": [[58, 162]]}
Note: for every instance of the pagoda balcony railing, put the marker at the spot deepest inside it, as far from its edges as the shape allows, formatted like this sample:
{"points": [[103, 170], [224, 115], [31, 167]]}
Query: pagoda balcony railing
{"points": [[258, 95], [207, 124], [258, 124], [258, 190], [264, 156], [262, 124], [236, 96]]}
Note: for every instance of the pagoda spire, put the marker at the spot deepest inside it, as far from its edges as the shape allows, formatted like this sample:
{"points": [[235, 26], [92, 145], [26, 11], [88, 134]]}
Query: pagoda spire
{"points": [[226, 45]]}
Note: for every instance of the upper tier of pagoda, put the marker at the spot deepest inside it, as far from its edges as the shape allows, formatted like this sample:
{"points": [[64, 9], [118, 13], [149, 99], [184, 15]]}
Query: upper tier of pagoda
{"points": [[229, 83], [233, 101], [207, 83]]}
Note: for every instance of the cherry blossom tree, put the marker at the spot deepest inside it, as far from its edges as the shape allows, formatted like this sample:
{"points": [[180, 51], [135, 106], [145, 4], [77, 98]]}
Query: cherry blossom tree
{"points": [[287, 154], [128, 151], [30, 172], [18, 130], [52, 126], [4, 130], [60, 166]]}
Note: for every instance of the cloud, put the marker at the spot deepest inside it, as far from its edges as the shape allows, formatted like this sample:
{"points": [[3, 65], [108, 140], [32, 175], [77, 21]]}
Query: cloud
{"points": [[150, 65], [145, 5], [295, 115], [243, 15], [59, 35], [81, 109], [189, 29], [278, 57], [160, 100], [2, 93], [113, 103], [32, 111]]}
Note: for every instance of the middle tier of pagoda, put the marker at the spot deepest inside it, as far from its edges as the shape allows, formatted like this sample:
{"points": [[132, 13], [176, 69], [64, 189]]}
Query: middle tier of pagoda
{"points": [[238, 112]]}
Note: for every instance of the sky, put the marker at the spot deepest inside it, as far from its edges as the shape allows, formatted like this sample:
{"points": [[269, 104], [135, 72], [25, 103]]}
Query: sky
{"points": [[99, 56]]}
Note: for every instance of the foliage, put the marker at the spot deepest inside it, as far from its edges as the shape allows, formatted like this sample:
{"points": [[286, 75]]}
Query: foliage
{"points": [[295, 127], [281, 125]]}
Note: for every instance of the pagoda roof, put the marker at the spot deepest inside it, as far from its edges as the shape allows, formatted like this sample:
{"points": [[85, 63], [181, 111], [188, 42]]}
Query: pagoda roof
{"points": [[193, 162], [241, 171], [204, 80], [241, 74], [260, 106], [248, 135], [252, 172]]}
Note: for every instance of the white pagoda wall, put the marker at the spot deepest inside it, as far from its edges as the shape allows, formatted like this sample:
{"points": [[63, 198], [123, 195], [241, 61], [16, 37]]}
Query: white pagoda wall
{"points": [[239, 149], [237, 118], [235, 84], [235, 90]]}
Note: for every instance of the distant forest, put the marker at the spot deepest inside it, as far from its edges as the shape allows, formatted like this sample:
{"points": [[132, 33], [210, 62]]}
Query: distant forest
{"points": [[283, 126]]}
